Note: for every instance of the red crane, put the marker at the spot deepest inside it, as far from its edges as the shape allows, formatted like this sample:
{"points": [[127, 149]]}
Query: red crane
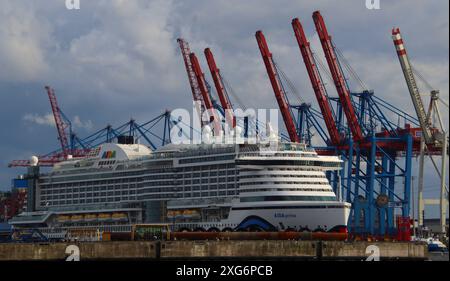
{"points": [[280, 95], [200, 76], [60, 125], [316, 81], [338, 77], [196, 93], [221, 91]]}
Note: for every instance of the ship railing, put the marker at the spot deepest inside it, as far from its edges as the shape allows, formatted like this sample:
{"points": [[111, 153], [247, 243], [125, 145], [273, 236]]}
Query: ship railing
{"points": [[91, 208], [206, 151], [278, 147], [104, 228], [197, 202], [274, 154]]}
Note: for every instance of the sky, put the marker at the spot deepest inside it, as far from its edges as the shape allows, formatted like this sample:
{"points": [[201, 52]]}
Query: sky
{"points": [[113, 60]]}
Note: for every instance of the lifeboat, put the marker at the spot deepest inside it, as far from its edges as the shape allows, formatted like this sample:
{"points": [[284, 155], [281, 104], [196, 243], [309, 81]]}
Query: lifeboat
{"points": [[195, 214], [90, 217], [191, 214], [179, 214], [170, 214], [119, 216], [104, 217], [76, 218], [63, 218], [187, 214]]}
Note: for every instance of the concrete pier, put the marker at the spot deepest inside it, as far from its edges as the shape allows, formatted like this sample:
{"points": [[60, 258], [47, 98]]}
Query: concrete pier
{"points": [[87, 250], [387, 250], [122, 250], [267, 248]]}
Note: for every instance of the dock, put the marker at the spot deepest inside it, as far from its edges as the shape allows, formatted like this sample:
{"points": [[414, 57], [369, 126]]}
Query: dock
{"points": [[167, 250]]}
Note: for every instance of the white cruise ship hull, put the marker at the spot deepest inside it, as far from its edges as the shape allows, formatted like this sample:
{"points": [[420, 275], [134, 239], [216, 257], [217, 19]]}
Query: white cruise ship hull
{"points": [[290, 215]]}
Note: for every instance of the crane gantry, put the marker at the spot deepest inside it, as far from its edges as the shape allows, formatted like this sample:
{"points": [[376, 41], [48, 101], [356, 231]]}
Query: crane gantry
{"points": [[432, 138]]}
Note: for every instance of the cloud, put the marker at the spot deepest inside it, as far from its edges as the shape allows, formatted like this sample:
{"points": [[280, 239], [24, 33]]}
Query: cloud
{"points": [[46, 119], [123, 54], [87, 125], [131, 48], [23, 39], [49, 120]]}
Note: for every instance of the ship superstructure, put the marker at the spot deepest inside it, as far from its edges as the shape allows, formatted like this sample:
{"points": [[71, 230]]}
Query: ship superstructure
{"points": [[191, 186]]}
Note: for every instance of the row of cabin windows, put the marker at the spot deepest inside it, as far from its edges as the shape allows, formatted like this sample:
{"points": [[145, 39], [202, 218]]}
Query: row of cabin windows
{"points": [[286, 189], [281, 176], [281, 182], [287, 198]]}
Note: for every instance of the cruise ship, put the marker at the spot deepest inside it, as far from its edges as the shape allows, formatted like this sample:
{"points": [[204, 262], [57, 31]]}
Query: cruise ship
{"points": [[274, 186]]}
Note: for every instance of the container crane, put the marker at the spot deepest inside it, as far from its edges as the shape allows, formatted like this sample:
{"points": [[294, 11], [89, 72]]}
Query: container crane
{"points": [[200, 76], [156, 129], [316, 82], [338, 77], [221, 90], [64, 129], [425, 124], [432, 138], [60, 125], [196, 92], [280, 94]]}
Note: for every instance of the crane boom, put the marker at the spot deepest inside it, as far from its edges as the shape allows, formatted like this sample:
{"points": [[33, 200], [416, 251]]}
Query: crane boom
{"points": [[280, 95], [316, 81], [221, 91], [196, 93], [338, 77], [412, 86], [185, 51], [60, 125], [200, 76]]}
